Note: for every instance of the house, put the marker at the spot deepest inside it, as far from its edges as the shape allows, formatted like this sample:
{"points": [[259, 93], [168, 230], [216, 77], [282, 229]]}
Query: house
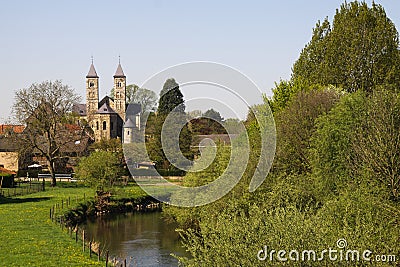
{"points": [[9, 156]]}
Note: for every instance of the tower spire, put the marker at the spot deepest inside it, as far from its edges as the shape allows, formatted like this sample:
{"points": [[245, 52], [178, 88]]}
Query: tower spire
{"points": [[119, 73], [92, 71]]}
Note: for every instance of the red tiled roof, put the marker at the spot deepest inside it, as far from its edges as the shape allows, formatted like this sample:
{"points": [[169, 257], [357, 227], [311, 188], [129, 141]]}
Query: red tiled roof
{"points": [[73, 127], [4, 170], [4, 128]]}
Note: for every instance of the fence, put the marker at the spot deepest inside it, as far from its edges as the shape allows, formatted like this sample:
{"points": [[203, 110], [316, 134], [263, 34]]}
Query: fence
{"points": [[88, 246], [23, 189]]}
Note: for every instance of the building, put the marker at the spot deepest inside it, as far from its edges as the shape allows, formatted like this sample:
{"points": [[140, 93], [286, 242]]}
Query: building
{"points": [[109, 116], [9, 155]]}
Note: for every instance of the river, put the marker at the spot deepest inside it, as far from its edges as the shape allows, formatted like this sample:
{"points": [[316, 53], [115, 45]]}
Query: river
{"points": [[143, 239]]}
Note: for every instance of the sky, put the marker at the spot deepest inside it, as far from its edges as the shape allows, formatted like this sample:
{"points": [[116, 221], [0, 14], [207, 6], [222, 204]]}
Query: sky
{"points": [[48, 40]]}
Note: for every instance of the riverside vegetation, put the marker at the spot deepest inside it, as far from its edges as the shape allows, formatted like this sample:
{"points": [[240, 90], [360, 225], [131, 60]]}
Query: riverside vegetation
{"points": [[336, 173]]}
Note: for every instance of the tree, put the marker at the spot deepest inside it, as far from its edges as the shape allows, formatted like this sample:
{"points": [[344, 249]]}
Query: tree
{"points": [[171, 106], [295, 125], [232, 126], [170, 98], [377, 142], [46, 110], [360, 50], [99, 170], [145, 97], [212, 114]]}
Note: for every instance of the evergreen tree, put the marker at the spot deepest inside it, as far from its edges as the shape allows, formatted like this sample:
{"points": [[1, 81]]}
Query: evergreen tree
{"points": [[170, 98]]}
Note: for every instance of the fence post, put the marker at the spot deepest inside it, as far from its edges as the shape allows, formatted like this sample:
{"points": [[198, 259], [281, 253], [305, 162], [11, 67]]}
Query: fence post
{"points": [[50, 213], [90, 249], [76, 235], [99, 254], [43, 185], [83, 240]]}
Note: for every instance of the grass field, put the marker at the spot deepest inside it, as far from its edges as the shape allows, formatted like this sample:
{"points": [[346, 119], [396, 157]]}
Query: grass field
{"points": [[29, 238]]}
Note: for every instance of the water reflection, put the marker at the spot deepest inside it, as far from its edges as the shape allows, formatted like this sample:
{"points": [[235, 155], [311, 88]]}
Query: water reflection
{"points": [[144, 239]]}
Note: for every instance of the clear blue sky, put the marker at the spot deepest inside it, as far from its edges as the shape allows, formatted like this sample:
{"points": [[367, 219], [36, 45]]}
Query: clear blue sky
{"points": [[48, 40]]}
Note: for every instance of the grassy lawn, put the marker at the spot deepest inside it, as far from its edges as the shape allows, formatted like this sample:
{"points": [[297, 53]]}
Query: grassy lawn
{"points": [[29, 238]]}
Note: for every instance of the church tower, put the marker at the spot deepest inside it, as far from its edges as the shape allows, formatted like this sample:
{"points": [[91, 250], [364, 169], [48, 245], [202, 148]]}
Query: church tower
{"points": [[120, 92], [92, 91]]}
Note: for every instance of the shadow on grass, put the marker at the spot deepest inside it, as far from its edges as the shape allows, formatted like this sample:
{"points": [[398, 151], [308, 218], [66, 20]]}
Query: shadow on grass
{"points": [[6, 200]]}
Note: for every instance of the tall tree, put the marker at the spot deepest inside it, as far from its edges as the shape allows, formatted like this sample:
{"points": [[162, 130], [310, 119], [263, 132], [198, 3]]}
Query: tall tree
{"points": [[359, 51], [171, 98], [46, 109]]}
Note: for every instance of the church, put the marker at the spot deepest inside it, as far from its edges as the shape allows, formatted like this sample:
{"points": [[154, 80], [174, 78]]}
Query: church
{"points": [[109, 117]]}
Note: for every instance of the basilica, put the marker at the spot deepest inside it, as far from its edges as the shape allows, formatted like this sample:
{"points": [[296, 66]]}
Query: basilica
{"points": [[110, 117]]}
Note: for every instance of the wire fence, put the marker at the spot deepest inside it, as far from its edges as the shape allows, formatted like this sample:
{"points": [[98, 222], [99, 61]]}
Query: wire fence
{"points": [[23, 189]]}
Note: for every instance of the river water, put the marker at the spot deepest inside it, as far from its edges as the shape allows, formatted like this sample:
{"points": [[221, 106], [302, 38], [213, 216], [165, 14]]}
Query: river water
{"points": [[143, 239]]}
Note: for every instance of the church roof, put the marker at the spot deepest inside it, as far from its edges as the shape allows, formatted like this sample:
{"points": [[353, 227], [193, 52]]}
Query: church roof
{"points": [[105, 109], [119, 73], [129, 124], [92, 72], [107, 100], [79, 109]]}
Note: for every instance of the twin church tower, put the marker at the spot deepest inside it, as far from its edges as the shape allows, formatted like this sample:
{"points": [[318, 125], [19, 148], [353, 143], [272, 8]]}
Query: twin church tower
{"points": [[109, 117]]}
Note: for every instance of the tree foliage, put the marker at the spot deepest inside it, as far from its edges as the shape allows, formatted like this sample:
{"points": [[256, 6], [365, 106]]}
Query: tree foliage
{"points": [[171, 98], [100, 170], [172, 107], [359, 50], [295, 126], [145, 97]]}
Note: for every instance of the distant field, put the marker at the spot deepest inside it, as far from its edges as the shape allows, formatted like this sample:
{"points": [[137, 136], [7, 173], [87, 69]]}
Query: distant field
{"points": [[29, 238]]}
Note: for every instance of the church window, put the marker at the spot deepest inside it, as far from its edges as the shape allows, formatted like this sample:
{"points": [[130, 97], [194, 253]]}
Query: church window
{"points": [[119, 84], [97, 125], [128, 132], [118, 94], [104, 125], [91, 84]]}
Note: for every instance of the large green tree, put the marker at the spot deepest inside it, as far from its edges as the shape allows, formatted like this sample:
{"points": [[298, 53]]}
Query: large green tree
{"points": [[359, 50]]}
